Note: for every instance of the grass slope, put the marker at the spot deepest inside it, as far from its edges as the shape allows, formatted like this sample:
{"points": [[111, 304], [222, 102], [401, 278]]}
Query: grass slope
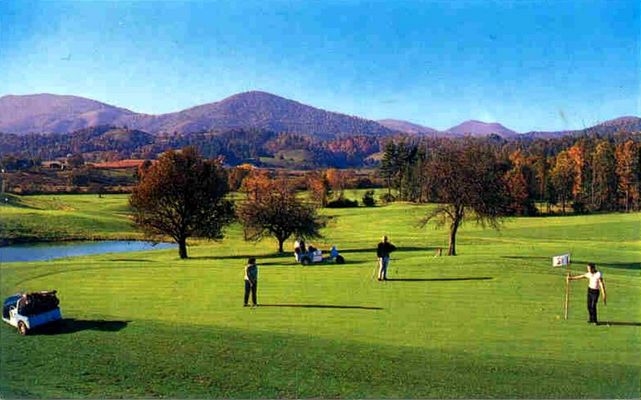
{"points": [[65, 217], [485, 324]]}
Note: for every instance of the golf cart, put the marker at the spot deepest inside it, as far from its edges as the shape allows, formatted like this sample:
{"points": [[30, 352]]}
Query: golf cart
{"points": [[26, 311], [315, 256]]}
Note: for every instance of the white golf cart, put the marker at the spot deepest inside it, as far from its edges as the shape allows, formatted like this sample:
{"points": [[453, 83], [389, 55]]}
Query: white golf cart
{"points": [[26, 311]]}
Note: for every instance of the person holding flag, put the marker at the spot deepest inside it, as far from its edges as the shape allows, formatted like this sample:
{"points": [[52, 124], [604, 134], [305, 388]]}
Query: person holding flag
{"points": [[595, 287]]}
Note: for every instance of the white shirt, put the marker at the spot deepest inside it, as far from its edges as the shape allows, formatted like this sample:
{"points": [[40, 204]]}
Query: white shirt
{"points": [[594, 279]]}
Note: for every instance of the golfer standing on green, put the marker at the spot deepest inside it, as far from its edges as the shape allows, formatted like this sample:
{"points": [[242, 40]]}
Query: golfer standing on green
{"points": [[382, 252], [251, 281], [595, 285]]}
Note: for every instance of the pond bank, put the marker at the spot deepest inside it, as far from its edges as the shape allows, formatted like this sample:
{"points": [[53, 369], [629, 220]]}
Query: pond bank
{"points": [[54, 250]]}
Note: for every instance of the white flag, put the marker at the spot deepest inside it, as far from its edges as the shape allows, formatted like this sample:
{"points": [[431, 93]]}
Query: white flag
{"points": [[559, 261]]}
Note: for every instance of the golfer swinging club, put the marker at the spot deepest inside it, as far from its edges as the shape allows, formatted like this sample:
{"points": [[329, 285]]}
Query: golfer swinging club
{"points": [[595, 285], [382, 252]]}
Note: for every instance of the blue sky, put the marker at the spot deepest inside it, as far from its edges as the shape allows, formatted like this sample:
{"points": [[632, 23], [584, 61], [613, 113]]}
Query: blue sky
{"points": [[531, 65]]}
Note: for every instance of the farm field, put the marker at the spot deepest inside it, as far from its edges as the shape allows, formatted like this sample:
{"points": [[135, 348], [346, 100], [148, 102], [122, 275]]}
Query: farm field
{"points": [[487, 323]]}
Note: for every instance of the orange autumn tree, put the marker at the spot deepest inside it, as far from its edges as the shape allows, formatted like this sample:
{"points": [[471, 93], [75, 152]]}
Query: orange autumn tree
{"points": [[562, 175], [518, 181], [271, 208], [627, 171], [318, 187], [181, 196]]}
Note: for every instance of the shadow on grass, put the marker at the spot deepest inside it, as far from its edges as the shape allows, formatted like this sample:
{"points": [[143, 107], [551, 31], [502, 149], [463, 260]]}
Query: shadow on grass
{"points": [[322, 306], [479, 278], [245, 257], [282, 256], [72, 325], [632, 265], [619, 323], [398, 249]]}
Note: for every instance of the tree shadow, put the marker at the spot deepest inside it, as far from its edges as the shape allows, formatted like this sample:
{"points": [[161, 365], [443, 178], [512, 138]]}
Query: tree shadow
{"points": [[245, 257], [632, 265], [322, 306], [619, 323], [72, 325], [277, 256], [401, 248], [479, 278]]}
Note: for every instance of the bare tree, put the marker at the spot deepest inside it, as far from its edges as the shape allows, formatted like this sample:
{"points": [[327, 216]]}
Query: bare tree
{"points": [[466, 179]]}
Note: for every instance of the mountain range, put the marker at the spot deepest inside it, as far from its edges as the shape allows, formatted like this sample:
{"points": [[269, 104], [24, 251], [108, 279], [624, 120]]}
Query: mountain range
{"points": [[49, 113]]}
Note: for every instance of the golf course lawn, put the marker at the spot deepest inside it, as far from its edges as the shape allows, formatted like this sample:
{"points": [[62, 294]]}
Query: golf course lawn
{"points": [[487, 323]]}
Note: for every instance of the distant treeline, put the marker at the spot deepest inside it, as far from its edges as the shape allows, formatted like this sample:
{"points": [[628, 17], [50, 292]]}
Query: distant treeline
{"points": [[592, 171], [258, 147], [586, 173], [239, 146]]}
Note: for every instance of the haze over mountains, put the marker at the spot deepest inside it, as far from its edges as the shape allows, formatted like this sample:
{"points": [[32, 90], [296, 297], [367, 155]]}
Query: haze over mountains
{"points": [[48, 113]]}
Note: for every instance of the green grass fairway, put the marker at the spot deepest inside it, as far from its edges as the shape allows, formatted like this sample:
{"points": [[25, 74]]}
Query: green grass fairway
{"points": [[485, 324], [66, 217]]}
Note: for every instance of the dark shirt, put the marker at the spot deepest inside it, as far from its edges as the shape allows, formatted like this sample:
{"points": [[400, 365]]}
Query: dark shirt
{"points": [[251, 272], [384, 249]]}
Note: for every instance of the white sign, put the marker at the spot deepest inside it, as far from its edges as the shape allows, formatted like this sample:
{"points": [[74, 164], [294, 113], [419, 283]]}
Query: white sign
{"points": [[559, 261]]}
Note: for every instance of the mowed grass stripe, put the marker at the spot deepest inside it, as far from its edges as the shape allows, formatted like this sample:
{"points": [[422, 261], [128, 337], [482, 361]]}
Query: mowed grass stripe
{"points": [[216, 363]]}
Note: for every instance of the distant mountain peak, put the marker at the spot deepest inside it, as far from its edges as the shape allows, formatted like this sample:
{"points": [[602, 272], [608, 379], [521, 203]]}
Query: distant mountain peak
{"points": [[479, 128], [45, 112], [626, 119], [253, 109]]}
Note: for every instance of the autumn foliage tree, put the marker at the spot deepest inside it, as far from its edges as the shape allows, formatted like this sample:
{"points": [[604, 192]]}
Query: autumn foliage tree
{"points": [[271, 208], [318, 187], [468, 183], [604, 179], [627, 168], [181, 196], [562, 176], [519, 185]]}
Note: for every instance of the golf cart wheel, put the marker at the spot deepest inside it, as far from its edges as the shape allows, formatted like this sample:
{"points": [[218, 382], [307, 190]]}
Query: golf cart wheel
{"points": [[305, 261], [22, 328], [340, 259]]}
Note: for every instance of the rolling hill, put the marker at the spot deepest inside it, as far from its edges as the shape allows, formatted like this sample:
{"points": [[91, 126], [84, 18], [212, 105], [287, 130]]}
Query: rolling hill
{"points": [[46, 113], [479, 128], [406, 127]]}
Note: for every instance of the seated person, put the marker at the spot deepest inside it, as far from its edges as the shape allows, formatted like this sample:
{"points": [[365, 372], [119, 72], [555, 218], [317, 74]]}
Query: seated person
{"points": [[333, 252]]}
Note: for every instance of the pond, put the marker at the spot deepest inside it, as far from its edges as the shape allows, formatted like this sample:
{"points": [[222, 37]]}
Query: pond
{"points": [[53, 250]]}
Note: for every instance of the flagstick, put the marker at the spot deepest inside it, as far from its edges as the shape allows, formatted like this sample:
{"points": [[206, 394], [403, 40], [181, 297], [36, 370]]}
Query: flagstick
{"points": [[567, 295]]}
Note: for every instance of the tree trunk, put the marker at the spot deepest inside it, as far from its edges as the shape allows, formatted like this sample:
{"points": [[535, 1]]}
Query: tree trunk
{"points": [[280, 245], [451, 250], [182, 248]]}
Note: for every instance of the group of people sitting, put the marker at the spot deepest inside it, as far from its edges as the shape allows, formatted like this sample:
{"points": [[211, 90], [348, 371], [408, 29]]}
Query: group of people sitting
{"points": [[312, 253]]}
